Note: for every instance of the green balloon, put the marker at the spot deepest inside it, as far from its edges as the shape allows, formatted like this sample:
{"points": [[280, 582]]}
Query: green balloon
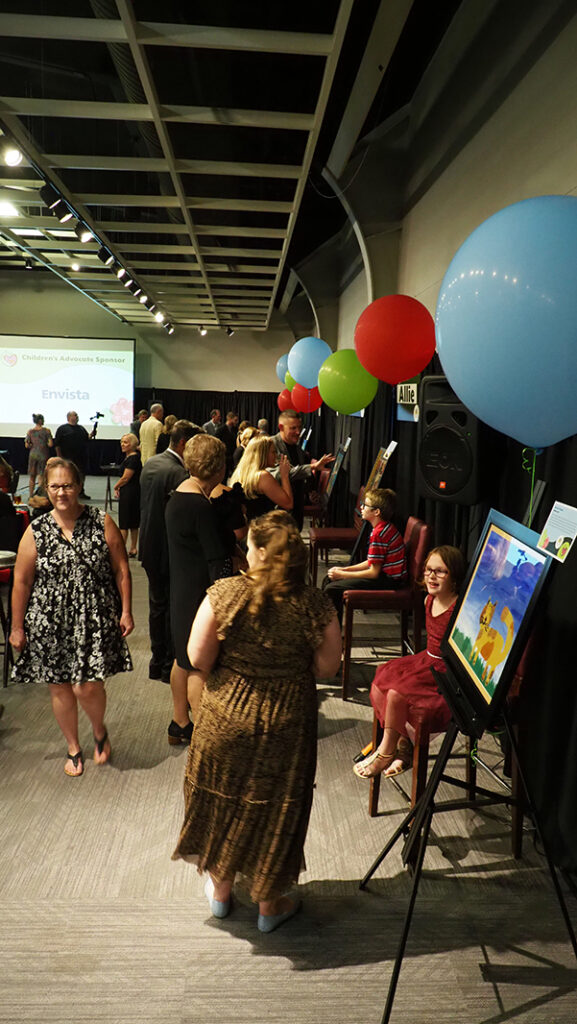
{"points": [[289, 381], [344, 384]]}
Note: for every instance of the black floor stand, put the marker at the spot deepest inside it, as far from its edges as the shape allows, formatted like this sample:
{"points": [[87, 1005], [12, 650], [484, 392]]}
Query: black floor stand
{"points": [[417, 825]]}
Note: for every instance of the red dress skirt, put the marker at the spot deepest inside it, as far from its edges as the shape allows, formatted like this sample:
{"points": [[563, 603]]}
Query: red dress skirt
{"points": [[411, 677]]}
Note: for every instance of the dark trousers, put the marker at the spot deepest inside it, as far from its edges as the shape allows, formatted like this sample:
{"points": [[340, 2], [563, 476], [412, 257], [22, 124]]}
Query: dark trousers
{"points": [[336, 588], [159, 621]]}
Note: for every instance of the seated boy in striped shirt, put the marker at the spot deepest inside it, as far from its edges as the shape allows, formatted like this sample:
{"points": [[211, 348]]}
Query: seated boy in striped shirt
{"points": [[385, 567]]}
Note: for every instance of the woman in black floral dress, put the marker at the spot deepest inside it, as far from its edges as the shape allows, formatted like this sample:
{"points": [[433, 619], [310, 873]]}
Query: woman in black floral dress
{"points": [[71, 609]]}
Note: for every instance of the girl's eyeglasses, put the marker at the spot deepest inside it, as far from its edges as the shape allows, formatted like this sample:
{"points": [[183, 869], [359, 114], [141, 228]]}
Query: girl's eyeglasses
{"points": [[436, 572]]}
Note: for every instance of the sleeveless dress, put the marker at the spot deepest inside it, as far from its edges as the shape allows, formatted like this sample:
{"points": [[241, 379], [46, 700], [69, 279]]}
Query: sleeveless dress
{"points": [[129, 495], [38, 438], [251, 765], [412, 677], [72, 620]]}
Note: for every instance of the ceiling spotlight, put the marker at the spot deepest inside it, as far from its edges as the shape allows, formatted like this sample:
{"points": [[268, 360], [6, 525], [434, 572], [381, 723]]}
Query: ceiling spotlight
{"points": [[49, 196], [105, 256], [151, 307], [143, 298], [82, 232], [11, 155], [202, 331], [62, 211], [128, 282], [120, 272], [135, 288], [28, 264], [229, 332], [169, 328], [75, 266], [159, 317]]}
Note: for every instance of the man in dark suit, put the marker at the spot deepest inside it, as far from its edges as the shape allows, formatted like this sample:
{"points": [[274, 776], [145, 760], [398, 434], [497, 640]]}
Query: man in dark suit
{"points": [[227, 434], [160, 476]]}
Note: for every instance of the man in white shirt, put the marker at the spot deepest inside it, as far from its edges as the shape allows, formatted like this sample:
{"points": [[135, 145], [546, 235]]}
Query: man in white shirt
{"points": [[149, 432]]}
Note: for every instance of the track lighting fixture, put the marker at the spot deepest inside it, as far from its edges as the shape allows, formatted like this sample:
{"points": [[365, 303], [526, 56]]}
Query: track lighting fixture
{"points": [[143, 298], [159, 317], [127, 282], [62, 211], [49, 196], [229, 332], [168, 328], [11, 155], [202, 331], [28, 264], [150, 307], [82, 232], [135, 288], [120, 272], [105, 256], [75, 266]]}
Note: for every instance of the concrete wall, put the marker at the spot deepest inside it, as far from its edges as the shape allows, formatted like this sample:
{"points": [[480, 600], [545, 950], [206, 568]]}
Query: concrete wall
{"points": [[36, 302]]}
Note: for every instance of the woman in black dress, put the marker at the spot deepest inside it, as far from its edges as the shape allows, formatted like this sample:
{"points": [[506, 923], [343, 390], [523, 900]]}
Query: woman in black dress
{"points": [[127, 490], [262, 491], [199, 554]]}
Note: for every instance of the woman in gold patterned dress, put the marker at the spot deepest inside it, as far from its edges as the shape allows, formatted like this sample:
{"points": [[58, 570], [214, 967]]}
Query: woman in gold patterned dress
{"points": [[261, 639]]}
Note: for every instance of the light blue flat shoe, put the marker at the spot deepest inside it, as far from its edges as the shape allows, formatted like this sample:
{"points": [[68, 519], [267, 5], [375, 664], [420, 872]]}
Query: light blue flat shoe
{"points": [[269, 922], [218, 908]]}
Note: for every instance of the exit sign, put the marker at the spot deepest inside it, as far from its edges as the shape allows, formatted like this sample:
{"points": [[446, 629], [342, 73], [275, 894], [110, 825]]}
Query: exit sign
{"points": [[406, 394]]}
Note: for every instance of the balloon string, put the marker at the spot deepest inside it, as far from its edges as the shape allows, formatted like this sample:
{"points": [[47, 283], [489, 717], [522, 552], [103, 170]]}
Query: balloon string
{"points": [[529, 456]]}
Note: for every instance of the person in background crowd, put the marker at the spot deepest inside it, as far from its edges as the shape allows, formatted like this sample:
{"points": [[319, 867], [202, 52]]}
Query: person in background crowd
{"points": [[213, 423], [127, 491], [137, 423], [71, 441], [6, 476], [286, 443], [244, 437], [262, 425], [227, 434], [164, 437], [71, 609], [262, 491], [160, 476], [149, 432], [39, 441]]}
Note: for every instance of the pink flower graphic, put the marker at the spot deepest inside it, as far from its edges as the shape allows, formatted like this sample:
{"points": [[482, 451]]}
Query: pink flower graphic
{"points": [[122, 412], [10, 358]]}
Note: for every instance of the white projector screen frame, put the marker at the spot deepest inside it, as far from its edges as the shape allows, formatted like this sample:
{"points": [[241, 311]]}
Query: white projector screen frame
{"points": [[57, 375]]}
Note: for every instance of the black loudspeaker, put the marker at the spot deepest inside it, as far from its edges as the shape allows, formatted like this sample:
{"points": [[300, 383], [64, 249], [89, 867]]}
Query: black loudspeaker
{"points": [[448, 448]]}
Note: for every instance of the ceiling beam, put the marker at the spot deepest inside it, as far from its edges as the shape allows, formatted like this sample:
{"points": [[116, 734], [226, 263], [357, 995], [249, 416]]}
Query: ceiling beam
{"points": [[231, 168]]}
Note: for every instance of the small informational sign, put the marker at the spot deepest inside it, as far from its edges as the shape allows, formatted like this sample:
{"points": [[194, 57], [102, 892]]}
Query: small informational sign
{"points": [[559, 532], [407, 393]]}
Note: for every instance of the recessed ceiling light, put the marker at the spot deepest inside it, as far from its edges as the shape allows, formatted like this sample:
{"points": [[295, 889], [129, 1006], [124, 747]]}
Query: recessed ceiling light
{"points": [[28, 232]]}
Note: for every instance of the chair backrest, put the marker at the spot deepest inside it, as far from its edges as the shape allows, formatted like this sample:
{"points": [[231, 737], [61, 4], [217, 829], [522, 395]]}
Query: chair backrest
{"points": [[417, 545]]}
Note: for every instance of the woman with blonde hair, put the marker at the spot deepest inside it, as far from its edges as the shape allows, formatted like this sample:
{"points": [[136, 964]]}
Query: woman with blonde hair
{"points": [[127, 490], [261, 639], [164, 436], [262, 491], [244, 437]]}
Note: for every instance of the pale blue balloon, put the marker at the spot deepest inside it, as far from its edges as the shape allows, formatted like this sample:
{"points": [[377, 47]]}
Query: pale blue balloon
{"points": [[305, 360], [506, 320], [282, 367]]}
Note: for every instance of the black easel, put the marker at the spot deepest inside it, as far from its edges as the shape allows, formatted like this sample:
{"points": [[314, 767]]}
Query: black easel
{"points": [[421, 816]]}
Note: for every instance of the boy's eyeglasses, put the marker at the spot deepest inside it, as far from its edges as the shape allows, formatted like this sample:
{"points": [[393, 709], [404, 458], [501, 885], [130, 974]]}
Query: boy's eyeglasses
{"points": [[436, 572], [364, 505]]}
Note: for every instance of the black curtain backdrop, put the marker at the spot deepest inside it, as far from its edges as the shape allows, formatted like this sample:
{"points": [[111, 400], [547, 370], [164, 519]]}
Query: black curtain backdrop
{"points": [[548, 704]]}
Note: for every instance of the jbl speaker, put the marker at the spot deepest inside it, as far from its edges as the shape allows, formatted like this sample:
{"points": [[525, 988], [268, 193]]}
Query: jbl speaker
{"points": [[448, 448]]}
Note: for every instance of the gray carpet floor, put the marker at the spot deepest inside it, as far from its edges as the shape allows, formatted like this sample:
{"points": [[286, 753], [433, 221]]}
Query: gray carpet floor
{"points": [[97, 924]]}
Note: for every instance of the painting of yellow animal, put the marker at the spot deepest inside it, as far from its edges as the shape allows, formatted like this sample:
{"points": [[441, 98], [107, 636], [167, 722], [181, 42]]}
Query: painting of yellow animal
{"points": [[490, 645]]}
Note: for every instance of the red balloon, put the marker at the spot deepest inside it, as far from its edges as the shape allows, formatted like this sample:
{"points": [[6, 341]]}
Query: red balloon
{"points": [[284, 400], [306, 399], [395, 338]]}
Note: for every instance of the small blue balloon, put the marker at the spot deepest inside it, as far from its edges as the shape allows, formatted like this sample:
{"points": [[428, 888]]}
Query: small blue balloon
{"points": [[305, 360], [282, 367], [506, 320]]}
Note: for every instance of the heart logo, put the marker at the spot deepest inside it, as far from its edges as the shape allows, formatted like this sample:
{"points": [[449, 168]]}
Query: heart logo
{"points": [[10, 358]]}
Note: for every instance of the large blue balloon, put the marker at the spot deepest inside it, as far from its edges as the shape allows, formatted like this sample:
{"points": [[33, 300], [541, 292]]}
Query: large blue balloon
{"points": [[282, 368], [506, 320], [305, 360]]}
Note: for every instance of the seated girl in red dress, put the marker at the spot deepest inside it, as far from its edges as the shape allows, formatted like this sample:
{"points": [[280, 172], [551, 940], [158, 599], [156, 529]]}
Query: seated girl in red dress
{"points": [[404, 690]]}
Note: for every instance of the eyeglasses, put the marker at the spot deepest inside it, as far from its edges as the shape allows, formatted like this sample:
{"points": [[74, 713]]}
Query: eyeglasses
{"points": [[436, 572], [364, 505], [54, 488]]}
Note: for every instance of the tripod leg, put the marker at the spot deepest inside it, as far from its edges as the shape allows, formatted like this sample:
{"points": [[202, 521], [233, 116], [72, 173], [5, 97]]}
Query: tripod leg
{"points": [[387, 849], [426, 827], [544, 843]]}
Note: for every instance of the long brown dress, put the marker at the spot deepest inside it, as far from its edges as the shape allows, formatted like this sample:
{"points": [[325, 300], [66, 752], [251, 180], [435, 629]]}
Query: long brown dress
{"points": [[251, 765]]}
